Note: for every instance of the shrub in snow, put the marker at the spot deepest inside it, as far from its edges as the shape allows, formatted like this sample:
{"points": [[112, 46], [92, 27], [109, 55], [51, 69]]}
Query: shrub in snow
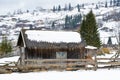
{"points": [[105, 50]]}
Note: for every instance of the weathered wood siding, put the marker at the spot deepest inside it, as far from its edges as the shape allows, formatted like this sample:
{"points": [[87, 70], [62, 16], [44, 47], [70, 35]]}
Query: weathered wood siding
{"points": [[31, 53]]}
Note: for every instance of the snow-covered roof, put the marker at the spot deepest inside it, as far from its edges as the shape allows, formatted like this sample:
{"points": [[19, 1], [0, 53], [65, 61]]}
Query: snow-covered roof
{"points": [[53, 36], [90, 47], [105, 34]]}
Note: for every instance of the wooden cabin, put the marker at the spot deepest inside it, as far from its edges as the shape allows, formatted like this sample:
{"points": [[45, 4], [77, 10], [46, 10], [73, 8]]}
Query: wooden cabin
{"points": [[38, 46]]}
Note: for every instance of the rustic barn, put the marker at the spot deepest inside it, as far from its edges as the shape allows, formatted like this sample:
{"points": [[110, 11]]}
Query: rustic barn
{"points": [[37, 45]]}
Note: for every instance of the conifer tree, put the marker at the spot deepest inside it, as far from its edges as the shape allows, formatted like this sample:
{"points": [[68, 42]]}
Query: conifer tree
{"points": [[118, 3], [106, 5], [27, 11], [89, 30], [96, 6], [53, 25], [54, 9], [70, 8], [79, 18], [111, 2], [82, 29], [5, 46], [72, 21], [66, 20], [82, 5], [78, 7], [59, 8], [114, 2]]}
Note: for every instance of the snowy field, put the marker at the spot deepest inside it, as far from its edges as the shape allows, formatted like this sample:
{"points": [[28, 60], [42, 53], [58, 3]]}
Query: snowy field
{"points": [[103, 74]]}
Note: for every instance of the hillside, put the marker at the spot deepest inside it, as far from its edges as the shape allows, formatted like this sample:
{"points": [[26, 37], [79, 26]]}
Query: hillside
{"points": [[49, 19]]}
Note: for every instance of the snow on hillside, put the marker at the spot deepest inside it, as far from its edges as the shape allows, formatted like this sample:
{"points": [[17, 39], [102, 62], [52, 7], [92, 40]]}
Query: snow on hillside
{"points": [[38, 15], [43, 19], [111, 25]]}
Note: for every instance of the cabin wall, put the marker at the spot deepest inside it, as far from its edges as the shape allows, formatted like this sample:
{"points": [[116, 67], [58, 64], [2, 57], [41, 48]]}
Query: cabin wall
{"points": [[53, 54], [22, 55], [39, 54], [73, 54]]}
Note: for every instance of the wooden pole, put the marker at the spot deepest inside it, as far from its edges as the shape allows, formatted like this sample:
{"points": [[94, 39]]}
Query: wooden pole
{"points": [[95, 66]]}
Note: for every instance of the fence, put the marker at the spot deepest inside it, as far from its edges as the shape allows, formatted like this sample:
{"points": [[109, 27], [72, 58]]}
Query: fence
{"points": [[108, 62], [64, 64], [61, 63]]}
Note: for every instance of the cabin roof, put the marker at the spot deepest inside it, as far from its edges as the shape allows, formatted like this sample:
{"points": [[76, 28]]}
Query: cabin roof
{"points": [[51, 39], [53, 36]]}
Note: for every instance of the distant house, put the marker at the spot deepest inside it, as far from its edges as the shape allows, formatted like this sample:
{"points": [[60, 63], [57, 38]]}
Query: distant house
{"points": [[109, 41], [37, 45]]}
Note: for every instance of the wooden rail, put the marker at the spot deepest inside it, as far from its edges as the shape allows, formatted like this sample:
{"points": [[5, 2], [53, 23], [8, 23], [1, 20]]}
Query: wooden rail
{"points": [[51, 60], [66, 63], [60, 62], [108, 58], [108, 62]]}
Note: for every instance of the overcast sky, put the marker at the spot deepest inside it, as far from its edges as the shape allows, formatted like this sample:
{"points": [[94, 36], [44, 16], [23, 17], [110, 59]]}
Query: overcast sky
{"points": [[11, 5]]}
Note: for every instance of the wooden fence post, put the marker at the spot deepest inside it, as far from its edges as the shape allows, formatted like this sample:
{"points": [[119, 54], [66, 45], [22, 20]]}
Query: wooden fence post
{"points": [[95, 61]]}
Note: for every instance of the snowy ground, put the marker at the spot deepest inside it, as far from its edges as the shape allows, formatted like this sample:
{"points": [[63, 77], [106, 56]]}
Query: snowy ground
{"points": [[103, 74], [100, 74], [9, 59]]}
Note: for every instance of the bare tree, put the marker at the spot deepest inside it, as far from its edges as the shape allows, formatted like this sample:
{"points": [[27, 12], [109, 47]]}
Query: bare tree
{"points": [[117, 35]]}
